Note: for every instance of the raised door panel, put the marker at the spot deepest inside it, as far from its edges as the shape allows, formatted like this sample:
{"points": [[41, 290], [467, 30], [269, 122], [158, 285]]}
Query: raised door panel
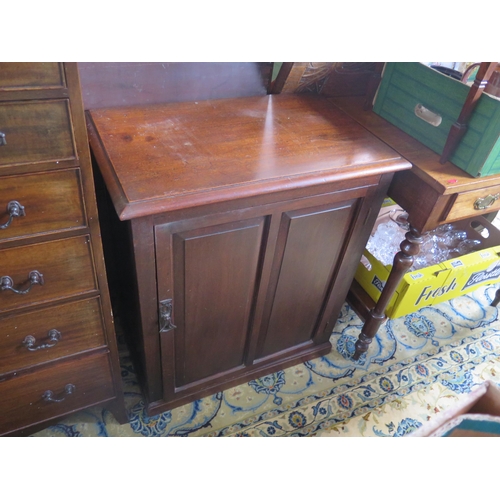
{"points": [[310, 242], [212, 281]]}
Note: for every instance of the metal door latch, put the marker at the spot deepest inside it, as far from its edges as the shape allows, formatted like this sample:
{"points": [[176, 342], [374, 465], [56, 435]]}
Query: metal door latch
{"points": [[166, 307]]}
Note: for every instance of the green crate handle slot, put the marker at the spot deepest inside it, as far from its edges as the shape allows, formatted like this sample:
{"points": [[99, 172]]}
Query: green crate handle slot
{"points": [[428, 116]]}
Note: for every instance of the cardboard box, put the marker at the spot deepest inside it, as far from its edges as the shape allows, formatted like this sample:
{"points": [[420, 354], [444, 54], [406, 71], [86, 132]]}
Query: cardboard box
{"points": [[425, 104], [437, 283], [476, 415]]}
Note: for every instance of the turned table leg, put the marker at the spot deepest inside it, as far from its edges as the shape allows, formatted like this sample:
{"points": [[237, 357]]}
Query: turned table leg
{"points": [[496, 300], [403, 260]]}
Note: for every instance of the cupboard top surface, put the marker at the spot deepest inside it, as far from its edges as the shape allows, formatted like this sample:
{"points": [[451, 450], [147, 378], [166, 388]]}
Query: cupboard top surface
{"points": [[170, 156]]}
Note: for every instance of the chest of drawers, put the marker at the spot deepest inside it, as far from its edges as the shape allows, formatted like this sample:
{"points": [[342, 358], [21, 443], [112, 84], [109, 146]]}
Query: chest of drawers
{"points": [[58, 351], [247, 218]]}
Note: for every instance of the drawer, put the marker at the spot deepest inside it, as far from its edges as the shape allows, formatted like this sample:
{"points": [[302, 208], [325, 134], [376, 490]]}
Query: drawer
{"points": [[23, 400], [50, 201], [464, 205], [35, 131], [66, 267], [56, 332], [31, 76]]}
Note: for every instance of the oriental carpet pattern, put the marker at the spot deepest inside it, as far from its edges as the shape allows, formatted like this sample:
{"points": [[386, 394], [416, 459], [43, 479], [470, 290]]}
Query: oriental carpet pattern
{"points": [[417, 366]]}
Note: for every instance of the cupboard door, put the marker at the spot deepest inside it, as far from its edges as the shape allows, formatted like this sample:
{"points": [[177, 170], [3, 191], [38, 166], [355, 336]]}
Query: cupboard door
{"points": [[308, 253], [211, 274]]}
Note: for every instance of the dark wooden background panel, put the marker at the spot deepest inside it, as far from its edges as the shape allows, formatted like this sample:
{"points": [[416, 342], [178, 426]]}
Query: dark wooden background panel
{"points": [[110, 84], [348, 79], [331, 79]]}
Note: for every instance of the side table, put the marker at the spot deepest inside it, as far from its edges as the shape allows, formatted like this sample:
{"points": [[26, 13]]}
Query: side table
{"points": [[430, 192]]}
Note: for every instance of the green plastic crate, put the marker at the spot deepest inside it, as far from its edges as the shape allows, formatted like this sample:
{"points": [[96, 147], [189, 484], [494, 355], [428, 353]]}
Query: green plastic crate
{"points": [[405, 86]]}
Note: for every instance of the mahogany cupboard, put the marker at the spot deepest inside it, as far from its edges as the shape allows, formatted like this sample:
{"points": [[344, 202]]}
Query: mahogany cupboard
{"points": [[246, 220], [58, 350]]}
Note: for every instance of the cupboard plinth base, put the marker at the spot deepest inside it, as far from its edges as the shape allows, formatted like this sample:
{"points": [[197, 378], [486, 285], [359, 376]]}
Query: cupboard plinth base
{"points": [[294, 357]]}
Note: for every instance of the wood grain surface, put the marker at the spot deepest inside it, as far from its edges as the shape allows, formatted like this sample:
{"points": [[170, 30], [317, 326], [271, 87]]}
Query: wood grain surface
{"points": [[171, 156]]}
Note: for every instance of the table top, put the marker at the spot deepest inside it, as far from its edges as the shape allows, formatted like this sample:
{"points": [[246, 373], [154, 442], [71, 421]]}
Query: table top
{"points": [[444, 178], [170, 156]]}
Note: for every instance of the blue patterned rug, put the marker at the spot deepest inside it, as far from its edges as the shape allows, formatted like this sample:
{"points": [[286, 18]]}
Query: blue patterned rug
{"points": [[442, 345]]}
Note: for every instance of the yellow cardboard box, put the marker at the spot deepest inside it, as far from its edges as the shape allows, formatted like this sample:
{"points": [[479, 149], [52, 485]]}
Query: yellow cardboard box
{"points": [[435, 284]]}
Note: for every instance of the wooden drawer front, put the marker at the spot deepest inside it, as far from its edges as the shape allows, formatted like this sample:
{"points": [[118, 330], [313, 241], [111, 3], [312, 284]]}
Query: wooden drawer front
{"points": [[30, 76], [77, 325], [52, 201], [464, 204], [36, 131], [66, 266], [22, 397]]}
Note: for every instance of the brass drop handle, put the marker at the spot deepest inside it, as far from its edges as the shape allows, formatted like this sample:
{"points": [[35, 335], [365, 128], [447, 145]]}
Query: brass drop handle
{"points": [[3, 141], [486, 202], [49, 395], [34, 277], [14, 209], [30, 341]]}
